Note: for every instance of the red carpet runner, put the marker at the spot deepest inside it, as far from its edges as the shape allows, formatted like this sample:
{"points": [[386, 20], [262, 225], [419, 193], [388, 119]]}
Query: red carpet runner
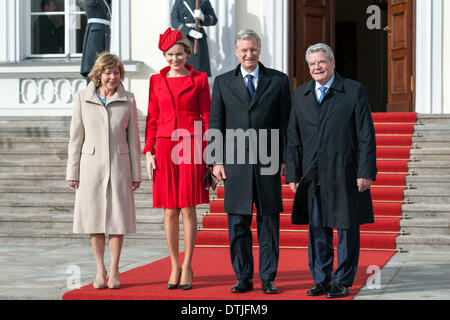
{"points": [[213, 274]]}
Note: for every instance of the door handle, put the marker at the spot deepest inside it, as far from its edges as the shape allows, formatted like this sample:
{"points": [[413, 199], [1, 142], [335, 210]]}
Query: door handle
{"points": [[387, 29]]}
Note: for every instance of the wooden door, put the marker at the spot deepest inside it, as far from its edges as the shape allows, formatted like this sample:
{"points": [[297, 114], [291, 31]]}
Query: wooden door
{"points": [[400, 56], [314, 23]]}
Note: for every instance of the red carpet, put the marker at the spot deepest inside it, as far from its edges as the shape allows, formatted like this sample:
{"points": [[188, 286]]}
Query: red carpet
{"points": [[213, 274], [213, 278]]}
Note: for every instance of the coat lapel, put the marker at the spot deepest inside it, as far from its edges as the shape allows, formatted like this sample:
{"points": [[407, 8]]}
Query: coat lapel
{"points": [[238, 86], [263, 82]]}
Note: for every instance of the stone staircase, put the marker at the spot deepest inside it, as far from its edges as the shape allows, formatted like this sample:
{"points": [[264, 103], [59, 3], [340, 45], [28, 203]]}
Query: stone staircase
{"points": [[36, 205], [427, 222]]}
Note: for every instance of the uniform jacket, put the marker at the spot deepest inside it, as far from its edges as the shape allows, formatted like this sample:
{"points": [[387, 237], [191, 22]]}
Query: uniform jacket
{"points": [[231, 108], [97, 37], [180, 15], [104, 156], [332, 145]]}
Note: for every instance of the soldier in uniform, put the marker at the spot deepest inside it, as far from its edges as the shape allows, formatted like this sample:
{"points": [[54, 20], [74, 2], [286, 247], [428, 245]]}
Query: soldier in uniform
{"points": [[183, 17], [98, 33]]}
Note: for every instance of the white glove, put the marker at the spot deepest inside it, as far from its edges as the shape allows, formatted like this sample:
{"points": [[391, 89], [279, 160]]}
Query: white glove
{"points": [[195, 34], [198, 14]]}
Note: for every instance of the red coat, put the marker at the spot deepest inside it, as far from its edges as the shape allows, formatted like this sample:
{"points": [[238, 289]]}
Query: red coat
{"points": [[167, 113]]}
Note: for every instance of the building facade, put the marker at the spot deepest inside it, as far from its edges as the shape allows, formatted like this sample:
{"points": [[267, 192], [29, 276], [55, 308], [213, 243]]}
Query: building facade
{"points": [[396, 48]]}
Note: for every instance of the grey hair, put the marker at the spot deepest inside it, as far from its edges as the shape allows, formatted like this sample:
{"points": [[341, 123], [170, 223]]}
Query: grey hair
{"points": [[246, 34], [317, 48]]}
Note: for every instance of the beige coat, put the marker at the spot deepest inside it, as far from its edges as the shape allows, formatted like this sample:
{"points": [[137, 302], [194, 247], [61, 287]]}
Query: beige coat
{"points": [[104, 156]]}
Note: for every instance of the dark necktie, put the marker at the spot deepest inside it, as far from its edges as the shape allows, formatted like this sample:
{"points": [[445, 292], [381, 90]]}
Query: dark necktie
{"points": [[250, 86], [322, 94]]}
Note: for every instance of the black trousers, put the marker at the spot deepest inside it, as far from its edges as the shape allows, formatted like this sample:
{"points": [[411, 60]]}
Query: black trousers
{"points": [[240, 235], [321, 251]]}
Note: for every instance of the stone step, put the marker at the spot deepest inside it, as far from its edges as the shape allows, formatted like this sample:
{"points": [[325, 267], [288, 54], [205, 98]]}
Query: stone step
{"points": [[155, 238], [430, 167], [431, 142], [64, 222], [422, 210], [433, 119], [417, 226], [66, 207], [431, 154], [417, 242], [33, 143], [430, 195]]}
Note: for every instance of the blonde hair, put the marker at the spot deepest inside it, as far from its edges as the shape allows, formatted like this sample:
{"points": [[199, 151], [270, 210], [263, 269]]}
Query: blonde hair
{"points": [[105, 60], [186, 45]]}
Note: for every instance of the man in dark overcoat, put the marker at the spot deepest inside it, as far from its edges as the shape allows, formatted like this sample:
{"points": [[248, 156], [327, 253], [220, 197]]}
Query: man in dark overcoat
{"points": [[98, 33], [331, 146], [250, 109], [183, 17]]}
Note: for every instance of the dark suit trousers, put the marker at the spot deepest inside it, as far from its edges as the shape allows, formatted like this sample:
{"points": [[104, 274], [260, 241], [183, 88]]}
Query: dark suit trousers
{"points": [[240, 235], [321, 251]]}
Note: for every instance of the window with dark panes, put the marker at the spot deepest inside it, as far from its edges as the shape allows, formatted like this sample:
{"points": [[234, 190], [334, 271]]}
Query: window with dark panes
{"points": [[57, 27]]}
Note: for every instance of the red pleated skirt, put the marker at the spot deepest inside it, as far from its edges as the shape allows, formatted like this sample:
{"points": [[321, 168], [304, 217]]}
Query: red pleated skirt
{"points": [[178, 177]]}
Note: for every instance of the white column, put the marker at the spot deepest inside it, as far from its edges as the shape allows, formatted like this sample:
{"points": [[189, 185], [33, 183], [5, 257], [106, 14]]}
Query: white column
{"points": [[428, 86], [275, 33], [221, 37], [120, 29], [8, 31]]}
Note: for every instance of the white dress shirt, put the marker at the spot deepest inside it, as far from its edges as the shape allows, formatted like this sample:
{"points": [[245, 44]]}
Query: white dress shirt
{"points": [[254, 73], [328, 85]]}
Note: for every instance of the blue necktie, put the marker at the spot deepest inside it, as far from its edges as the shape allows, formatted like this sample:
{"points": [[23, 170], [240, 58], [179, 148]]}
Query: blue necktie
{"points": [[250, 86], [322, 94]]}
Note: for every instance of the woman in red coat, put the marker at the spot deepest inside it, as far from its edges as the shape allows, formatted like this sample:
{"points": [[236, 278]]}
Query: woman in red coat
{"points": [[178, 115]]}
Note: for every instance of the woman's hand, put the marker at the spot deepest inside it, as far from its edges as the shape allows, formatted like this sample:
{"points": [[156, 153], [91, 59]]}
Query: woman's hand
{"points": [[136, 185], [150, 164], [73, 184]]}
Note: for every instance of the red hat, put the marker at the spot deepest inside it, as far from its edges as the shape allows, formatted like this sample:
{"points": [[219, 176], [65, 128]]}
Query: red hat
{"points": [[168, 39]]}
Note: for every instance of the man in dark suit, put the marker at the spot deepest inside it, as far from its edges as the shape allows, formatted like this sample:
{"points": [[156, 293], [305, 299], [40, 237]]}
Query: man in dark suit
{"points": [[331, 146], [248, 103]]}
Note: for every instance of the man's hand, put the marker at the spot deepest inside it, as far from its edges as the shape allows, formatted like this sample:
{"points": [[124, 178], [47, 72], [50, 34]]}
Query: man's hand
{"points": [[195, 34], [283, 169], [293, 186], [219, 172], [198, 14], [363, 184]]}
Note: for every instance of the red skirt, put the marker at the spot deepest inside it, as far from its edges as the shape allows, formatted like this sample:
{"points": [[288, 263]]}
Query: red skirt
{"points": [[178, 177]]}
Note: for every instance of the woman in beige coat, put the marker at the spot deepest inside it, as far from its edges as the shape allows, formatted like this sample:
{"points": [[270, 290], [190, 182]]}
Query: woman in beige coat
{"points": [[104, 163]]}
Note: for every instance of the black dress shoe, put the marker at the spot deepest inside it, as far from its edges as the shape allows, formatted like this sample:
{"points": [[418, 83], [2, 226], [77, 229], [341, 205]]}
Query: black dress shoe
{"points": [[319, 289], [338, 291], [242, 285], [189, 285], [268, 286], [172, 286]]}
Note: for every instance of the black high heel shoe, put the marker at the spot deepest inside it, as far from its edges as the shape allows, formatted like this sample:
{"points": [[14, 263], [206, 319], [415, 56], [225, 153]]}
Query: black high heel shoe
{"points": [[189, 285], [171, 286]]}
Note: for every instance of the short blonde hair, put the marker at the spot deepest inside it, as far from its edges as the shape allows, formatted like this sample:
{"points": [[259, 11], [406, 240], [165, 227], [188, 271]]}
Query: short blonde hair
{"points": [[104, 61], [186, 45]]}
